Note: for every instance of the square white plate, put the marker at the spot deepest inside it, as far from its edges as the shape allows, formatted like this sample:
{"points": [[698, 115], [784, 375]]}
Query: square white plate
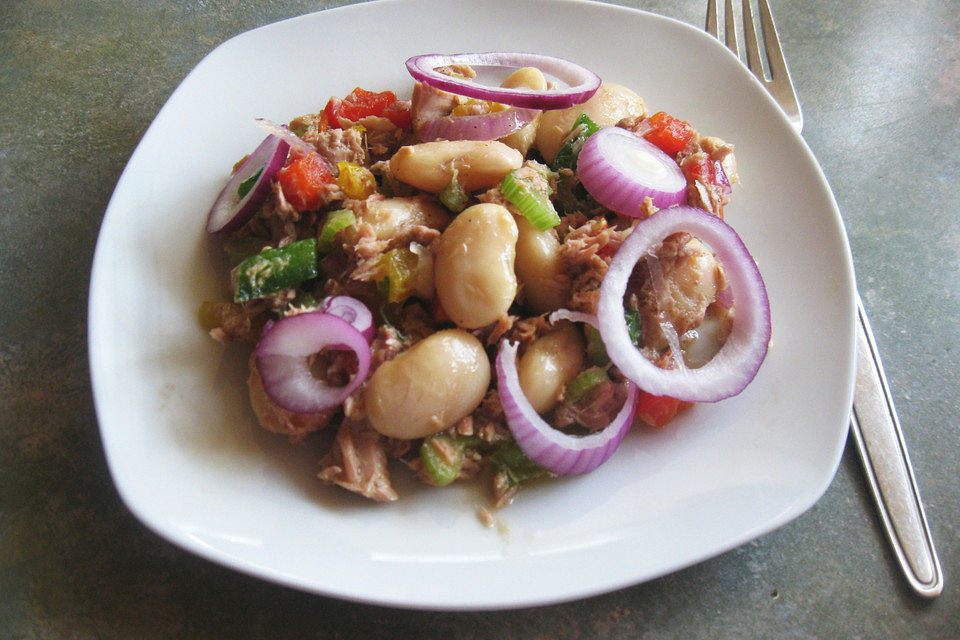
{"points": [[183, 446]]}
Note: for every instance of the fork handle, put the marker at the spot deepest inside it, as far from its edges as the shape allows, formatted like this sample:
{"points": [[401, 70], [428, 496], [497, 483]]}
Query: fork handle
{"points": [[879, 439]]}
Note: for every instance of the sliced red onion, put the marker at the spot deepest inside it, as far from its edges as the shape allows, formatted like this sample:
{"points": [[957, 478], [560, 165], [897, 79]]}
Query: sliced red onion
{"points": [[580, 83], [737, 362], [485, 126], [230, 210], [619, 169], [351, 310], [573, 316], [554, 450], [283, 360], [285, 133]]}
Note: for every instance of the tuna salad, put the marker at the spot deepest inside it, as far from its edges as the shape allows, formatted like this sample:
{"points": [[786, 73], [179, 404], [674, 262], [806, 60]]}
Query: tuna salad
{"points": [[493, 281]]}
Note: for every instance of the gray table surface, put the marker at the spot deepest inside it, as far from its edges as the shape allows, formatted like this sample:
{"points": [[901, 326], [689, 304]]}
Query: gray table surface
{"points": [[79, 84]]}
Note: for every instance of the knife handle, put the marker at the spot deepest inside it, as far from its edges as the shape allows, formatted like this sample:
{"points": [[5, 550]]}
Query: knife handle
{"points": [[879, 439]]}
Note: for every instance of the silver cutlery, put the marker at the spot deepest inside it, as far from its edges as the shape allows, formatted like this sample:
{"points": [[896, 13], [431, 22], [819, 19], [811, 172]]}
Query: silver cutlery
{"points": [[873, 421]]}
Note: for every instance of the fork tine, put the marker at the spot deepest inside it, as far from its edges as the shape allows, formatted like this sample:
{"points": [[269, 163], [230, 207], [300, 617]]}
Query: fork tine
{"points": [[753, 48], [772, 43], [730, 28], [712, 18]]}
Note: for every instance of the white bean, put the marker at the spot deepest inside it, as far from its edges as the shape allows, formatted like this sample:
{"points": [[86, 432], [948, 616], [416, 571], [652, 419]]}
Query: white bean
{"points": [[610, 104], [480, 164], [530, 78], [428, 387], [474, 267], [553, 360], [540, 268]]}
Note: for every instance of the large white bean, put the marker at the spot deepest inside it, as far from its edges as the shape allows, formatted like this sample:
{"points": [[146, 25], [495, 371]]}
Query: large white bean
{"points": [[474, 267], [428, 387], [480, 164], [540, 268], [553, 360], [610, 104], [390, 217], [530, 78]]}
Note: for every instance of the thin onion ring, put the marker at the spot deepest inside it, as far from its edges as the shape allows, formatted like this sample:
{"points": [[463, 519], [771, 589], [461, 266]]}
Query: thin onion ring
{"points": [[738, 360]]}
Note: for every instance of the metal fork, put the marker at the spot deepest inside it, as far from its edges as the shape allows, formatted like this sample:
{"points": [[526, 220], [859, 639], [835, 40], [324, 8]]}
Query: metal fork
{"points": [[873, 422]]}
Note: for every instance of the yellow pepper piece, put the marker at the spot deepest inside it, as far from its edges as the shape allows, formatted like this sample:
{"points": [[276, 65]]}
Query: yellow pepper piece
{"points": [[357, 182], [400, 266]]}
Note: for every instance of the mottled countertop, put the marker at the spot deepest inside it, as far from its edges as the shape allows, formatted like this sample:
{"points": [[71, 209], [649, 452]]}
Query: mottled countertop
{"points": [[80, 82]]}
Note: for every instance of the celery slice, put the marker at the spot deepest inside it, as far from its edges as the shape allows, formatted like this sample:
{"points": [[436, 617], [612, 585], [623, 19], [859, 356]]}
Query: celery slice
{"points": [[336, 221], [585, 382], [533, 203]]}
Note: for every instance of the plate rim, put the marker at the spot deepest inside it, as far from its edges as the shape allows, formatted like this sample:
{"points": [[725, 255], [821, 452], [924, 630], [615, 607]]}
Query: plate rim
{"points": [[220, 556]]}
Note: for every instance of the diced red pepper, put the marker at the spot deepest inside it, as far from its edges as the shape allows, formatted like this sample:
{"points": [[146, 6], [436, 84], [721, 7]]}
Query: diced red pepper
{"points": [[399, 114], [302, 180], [359, 104], [656, 411], [670, 134], [699, 167]]}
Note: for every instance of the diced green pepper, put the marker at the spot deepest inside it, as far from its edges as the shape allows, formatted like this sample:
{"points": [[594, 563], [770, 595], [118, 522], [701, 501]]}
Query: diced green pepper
{"points": [[454, 197], [442, 458], [336, 222], [532, 202], [585, 382], [582, 129], [275, 269], [514, 463]]}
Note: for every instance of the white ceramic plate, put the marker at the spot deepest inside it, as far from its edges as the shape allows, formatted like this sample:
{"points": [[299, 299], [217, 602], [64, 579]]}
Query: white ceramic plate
{"points": [[183, 446]]}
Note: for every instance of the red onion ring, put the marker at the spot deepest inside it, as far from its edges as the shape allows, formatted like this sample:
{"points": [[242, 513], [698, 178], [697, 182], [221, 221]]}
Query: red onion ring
{"points": [[554, 450], [485, 126], [282, 360], [229, 210], [619, 169], [351, 310], [285, 133], [738, 361], [580, 83]]}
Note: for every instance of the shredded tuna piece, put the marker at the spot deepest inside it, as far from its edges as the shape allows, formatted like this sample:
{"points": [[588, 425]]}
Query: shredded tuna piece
{"points": [[340, 145], [383, 137], [296, 426], [358, 462], [236, 322], [429, 104], [587, 250]]}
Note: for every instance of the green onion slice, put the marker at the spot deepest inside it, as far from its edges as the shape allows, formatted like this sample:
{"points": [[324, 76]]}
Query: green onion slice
{"points": [[532, 202]]}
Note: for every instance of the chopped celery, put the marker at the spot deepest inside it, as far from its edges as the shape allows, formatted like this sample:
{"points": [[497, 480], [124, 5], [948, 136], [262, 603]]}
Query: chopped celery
{"points": [[247, 184], [585, 382], [596, 350], [515, 465], [356, 181], [582, 129], [442, 458], [532, 202], [454, 197], [336, 221], [275, 269]]}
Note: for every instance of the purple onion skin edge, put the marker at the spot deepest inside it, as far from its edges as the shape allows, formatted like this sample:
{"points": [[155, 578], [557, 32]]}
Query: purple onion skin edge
{"points": [[271, 153], [551, 455]]}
